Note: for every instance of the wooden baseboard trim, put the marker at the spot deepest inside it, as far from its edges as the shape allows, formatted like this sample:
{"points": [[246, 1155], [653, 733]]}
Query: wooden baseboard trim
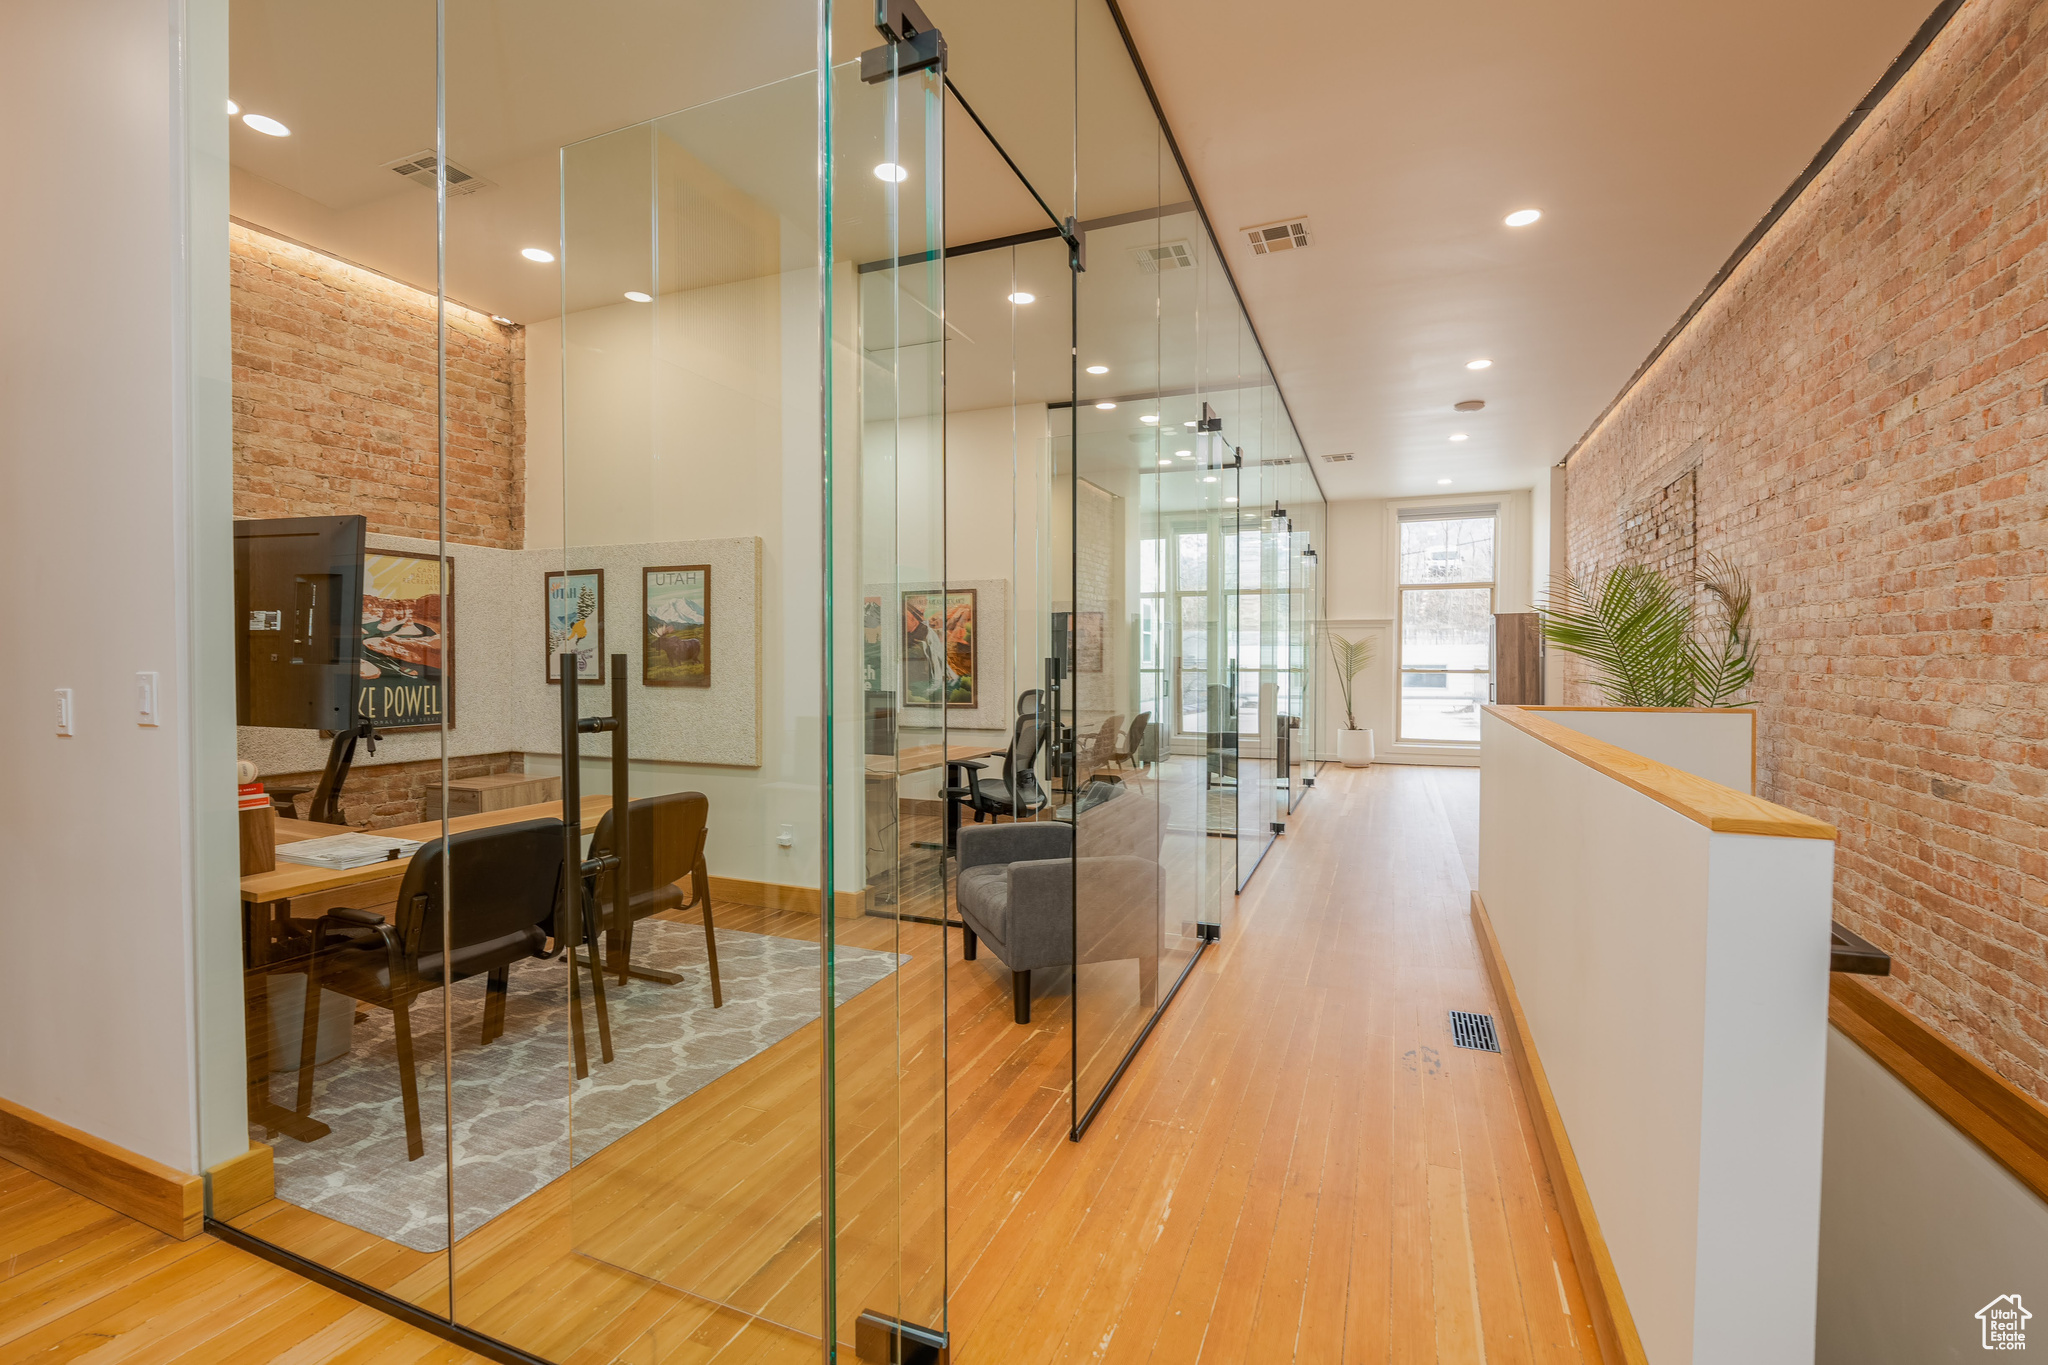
{"points": [[150, 1192], [1612, 1322], [775, 896], [240, 1183], [2009, 1124]]}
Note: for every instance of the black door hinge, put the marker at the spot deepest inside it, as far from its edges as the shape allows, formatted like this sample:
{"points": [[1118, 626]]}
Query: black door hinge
{"points": [[914, 43]]}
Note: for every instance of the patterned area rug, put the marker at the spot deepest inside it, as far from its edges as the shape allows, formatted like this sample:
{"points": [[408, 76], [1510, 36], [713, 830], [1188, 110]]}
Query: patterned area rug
{"points": [[513, 1100]]}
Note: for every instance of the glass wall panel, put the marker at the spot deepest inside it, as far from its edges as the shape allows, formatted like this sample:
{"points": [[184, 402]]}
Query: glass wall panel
{"points": [[350, 542], [549, 327]]}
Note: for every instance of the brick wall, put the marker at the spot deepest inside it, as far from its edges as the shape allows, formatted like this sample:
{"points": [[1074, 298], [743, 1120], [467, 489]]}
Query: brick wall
{"points": [[334, 399], [1861, 409], [387, 794]]}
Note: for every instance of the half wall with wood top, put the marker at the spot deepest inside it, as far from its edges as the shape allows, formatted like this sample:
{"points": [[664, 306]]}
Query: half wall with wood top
{"points": [[1665, 941]]}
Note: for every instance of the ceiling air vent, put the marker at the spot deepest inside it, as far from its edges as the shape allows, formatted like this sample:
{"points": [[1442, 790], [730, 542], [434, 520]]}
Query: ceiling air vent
{"points": [[1289, 235], [1344, 458], [1165, 256], [419, 168], [1270, 464]]}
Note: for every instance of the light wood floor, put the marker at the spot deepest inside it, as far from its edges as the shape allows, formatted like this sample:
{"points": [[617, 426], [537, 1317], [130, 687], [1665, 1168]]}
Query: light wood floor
{"points": [[1299, 1166]]}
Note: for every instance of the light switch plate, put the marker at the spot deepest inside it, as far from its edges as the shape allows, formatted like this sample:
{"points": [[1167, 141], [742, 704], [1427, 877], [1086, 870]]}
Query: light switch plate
{"points": [[64, 711], [145, 698]]}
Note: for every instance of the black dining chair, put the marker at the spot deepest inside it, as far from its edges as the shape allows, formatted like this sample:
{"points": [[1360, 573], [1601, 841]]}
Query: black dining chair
{"points": [[668, 834], [506, 906]]}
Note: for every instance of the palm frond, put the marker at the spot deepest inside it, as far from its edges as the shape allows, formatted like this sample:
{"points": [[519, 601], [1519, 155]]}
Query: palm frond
{"points": [[1719, 659], [1633, 628]]}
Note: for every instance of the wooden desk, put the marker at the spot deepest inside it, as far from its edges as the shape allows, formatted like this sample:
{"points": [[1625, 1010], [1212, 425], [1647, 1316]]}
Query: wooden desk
{"points": [[926, 756], [266, 912]]}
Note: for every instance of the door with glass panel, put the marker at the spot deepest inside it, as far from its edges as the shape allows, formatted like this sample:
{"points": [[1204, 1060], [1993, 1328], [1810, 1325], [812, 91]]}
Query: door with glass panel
{"points": [[1446, 562], [638, 1054]]}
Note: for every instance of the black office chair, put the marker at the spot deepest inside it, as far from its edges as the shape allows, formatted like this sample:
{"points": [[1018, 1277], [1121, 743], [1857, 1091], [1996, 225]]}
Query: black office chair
{"points": [[1017, 793], [506, 907], [667, 845]]}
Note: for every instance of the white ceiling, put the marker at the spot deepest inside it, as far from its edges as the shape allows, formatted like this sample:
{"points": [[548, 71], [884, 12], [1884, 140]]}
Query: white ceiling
{"points": [[1653, 138]]}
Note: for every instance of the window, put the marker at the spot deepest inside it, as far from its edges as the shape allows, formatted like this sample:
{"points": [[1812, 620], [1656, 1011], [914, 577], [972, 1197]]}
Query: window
{"points": [[1446, 663]]}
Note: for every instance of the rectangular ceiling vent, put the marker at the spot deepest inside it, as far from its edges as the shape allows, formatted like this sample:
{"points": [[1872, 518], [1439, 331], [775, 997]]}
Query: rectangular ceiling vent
{"points": [[1165, 256], [1270, 464], [1289, 235], [419, 168], [1344, 458]]}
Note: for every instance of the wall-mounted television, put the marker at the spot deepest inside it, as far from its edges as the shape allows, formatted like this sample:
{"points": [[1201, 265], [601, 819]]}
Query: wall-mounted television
{"points": [[298, 621]]}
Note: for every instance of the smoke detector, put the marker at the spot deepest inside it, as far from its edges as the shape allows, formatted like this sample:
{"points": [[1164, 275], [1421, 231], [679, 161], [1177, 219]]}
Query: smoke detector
{"points": [[419, 168], [1287, 235], [1344, 458], [1470, 405], [1165, 256]]}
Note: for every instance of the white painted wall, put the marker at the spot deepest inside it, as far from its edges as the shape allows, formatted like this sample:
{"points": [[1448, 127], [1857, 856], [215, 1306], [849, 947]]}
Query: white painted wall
{"points": [[114, 527], [1675, 983], [1919, 1228], [1717, 745]]}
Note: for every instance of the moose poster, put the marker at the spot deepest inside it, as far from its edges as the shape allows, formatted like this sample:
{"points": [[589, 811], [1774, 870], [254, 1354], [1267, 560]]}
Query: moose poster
{"points": [[675, 616], [406, 672]]}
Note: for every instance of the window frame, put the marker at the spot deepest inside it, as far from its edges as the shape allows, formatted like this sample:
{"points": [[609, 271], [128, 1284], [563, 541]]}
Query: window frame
{"points": [[1402, 588]]}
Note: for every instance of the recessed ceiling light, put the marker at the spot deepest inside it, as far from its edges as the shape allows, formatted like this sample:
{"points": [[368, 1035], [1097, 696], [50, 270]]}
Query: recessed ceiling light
{"points": [[1166, 462], [1208, 478], [1457, 436], [266, 125], [1523, 217], [1098, 369], [1443, 481], [233, 109], [891, 172], [1185, 454], [639, 297], [1149, 417], [506, 321], [537, 254], [1187, 424], [1021, 297], [1105, 406], [1477, 364], [1230, 499]]}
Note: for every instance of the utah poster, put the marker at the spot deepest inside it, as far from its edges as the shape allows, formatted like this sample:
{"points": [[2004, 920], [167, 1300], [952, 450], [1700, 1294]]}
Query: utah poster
{"points": [[406, 673]]}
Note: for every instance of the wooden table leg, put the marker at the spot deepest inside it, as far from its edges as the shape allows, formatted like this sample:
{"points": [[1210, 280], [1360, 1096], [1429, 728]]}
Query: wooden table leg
{"points": [[257, 918]]}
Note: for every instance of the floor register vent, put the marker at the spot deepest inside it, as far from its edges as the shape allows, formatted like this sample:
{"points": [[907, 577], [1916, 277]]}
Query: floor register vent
{"points": [[1474, 1031]]}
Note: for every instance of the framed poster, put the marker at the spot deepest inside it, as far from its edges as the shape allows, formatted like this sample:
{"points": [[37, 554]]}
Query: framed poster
{"points": [[405, 677], [1088, 642], [675, 625], [938, 648], [576, 623]]}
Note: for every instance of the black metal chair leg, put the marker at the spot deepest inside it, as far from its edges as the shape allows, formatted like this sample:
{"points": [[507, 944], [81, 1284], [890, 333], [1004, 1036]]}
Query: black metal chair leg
{"points": [[495, 987], [1020, 995], [408, 1081]]}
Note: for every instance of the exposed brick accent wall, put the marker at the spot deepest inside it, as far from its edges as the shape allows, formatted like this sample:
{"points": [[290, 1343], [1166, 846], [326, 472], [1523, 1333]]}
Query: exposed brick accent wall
{"points": [[334, 399], [1864, 406], [387, 794]]}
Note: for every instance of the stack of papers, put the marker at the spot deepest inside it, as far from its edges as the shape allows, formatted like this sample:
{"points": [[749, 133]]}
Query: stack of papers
{"points": [[340, 852]]}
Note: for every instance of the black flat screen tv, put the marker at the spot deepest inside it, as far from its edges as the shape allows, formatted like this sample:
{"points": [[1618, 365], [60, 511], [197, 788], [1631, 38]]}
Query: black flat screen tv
{"points": [[298, 621]]}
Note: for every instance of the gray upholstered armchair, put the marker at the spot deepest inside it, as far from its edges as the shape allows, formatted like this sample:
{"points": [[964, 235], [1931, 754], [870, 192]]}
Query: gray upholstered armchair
{"points": [[1016, 891]]}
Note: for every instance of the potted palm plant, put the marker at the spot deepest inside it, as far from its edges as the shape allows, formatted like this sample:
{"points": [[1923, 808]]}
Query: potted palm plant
{"points": [[1354, 744], [1646, 643]]}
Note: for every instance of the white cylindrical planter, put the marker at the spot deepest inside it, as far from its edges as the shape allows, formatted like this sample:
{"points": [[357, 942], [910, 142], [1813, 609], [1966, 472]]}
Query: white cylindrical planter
{"points": [[1354, 748]]}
